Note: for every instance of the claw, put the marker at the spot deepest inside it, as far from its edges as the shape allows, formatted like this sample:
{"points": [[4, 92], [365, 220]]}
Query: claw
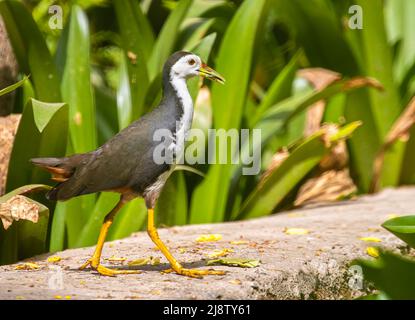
{"points": [[196, 273], [104, 270]]}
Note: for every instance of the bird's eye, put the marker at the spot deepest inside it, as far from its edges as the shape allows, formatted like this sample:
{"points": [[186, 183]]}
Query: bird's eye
{"points": [[192, 62]]}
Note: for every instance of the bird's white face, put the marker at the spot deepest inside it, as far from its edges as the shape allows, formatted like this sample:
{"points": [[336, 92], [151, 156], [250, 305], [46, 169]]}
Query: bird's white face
{"points": [[187, 66]]}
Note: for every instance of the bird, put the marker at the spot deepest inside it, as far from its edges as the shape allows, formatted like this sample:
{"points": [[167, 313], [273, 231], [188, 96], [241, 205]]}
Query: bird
{"points": [[125, 163]]}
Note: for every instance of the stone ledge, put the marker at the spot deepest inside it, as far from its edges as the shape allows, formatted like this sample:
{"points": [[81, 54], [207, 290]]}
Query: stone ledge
{"points": [[311, 266]]}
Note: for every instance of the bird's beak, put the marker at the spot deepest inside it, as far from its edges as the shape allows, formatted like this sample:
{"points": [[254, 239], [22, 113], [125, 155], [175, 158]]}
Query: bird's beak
{"points": [[211, 74]]}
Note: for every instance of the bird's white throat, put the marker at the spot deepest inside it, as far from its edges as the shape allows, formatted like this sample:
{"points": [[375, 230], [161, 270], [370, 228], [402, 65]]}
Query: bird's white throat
{"points": [[185, 122]]}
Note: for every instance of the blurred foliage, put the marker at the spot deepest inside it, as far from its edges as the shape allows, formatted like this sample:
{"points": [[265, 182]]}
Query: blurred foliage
{"points": [[393, 274], [102, 71]]}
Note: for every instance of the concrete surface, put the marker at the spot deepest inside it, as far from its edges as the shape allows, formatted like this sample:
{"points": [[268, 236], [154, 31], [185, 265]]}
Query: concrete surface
{"points": [[308, 266]]}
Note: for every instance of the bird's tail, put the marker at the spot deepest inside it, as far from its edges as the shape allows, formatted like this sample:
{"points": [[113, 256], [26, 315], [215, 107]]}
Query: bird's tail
{"points": [[60, 168]]}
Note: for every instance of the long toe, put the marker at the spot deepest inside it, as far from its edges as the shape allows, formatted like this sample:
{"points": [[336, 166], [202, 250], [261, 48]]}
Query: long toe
{"points": [[198, 273]]}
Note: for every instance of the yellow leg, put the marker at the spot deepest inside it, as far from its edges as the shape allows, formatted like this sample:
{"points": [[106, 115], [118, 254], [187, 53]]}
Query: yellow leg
{"points": [[94, 261], [176, 266]]}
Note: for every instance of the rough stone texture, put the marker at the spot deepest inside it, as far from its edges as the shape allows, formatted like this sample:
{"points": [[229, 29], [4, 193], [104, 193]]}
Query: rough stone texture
{"points": [[311, 266]]}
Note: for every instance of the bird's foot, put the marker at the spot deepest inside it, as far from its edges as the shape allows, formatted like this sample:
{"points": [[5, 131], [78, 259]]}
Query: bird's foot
{"points": [[195, 273], [104, 270]]}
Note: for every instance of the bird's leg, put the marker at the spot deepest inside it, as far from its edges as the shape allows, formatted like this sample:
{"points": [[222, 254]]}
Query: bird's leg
{"points": [[94, 261], [175, 265]]}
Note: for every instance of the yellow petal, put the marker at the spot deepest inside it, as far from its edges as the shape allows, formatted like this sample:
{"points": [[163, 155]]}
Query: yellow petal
{"points": [[54, 259], [296, 231], [209, 237], [116, 259], [219, 253], [392, 216], [68, 297], [27, 266], [58, 297], [370, 239], [239, 242], [372, 251], [235, 281]]}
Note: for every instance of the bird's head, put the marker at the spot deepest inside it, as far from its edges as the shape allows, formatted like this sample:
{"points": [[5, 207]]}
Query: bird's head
{"points": [[185, 65]]}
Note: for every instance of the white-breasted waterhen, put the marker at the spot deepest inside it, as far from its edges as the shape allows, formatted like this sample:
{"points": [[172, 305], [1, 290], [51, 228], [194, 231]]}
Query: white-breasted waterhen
{"points": [[125, 163]]}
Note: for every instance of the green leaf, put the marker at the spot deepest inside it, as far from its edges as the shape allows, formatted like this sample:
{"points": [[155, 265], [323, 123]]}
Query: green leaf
{"points": [[30, 49], [392, 274], [279, 182], [130, 219], [385, 106], [77, 92], [403, 228], [167, 38], [234, 62], [76, 84], [13, 86], [171, 207], [235, 262], [279, 89], [45, 126], [137, 42]]}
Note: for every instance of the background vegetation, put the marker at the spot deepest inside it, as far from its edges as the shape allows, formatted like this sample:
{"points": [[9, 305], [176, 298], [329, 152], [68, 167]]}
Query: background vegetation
{"points": [[102, 71]]}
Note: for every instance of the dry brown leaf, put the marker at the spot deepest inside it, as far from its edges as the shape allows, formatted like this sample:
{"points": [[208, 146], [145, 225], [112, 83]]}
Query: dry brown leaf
{"points": [[16, 208], [320, 78], [327, 187]]}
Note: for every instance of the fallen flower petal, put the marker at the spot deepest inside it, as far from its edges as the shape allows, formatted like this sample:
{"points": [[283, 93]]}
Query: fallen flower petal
{"points": [[209, 237], [295, 231], [370, 239], [54, 259], [373, 252], [27, 266]]}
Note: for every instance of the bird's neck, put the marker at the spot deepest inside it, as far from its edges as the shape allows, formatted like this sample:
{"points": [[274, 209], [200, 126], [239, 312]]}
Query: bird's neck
{"points": [[175, 89]]}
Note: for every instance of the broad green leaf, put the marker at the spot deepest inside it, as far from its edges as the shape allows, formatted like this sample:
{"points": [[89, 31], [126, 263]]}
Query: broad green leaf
{"points": [[235, 262], [272, 190], [13, 86], [45, 126], [171, 207], [167, 38], [130, 219], [234, 63], [385, 106], [76, 84], [90, 231], [30, 49], [137, 42], [323, 42], [77, 92], [124, 101], [392, 274], [279, 89], [403, 228]]}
